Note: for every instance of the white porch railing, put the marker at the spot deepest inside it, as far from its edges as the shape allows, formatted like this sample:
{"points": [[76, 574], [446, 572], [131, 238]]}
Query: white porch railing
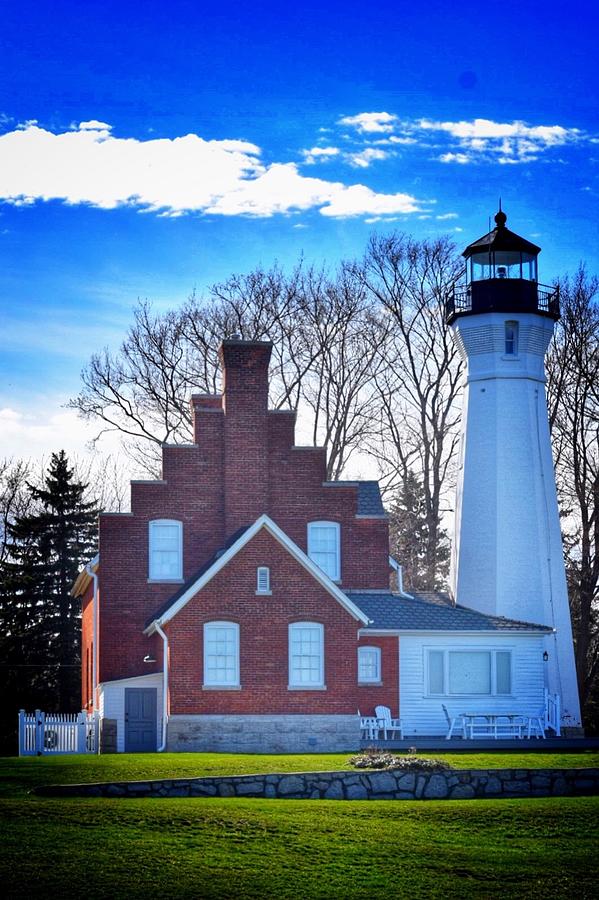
{"points": [[553, 712], [52, 734]]}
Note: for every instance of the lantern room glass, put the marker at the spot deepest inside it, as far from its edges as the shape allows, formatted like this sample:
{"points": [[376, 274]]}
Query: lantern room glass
{"points": [[502, 264]]}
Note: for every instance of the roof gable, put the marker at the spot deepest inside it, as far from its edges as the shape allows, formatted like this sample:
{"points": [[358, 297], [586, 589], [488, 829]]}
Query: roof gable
{"points": [[218, 563]]}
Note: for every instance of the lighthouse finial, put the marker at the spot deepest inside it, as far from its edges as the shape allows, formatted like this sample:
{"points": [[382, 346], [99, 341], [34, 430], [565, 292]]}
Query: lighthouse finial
{"points": [[500, 218]]}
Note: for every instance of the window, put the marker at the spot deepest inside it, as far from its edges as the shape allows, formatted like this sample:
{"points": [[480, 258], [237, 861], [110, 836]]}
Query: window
{"points": [[369, 665], [306, 655], [469, 672], [511, 338], [165, 550], [323, 547], [221, 654], [263, 580]]}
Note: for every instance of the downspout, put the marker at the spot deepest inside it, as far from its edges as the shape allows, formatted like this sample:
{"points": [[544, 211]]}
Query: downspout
{"points": [[92, 574], [158, 627]]}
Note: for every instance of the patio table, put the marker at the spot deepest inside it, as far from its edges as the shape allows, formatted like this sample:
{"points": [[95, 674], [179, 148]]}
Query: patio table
{"points": [[491, 726]]}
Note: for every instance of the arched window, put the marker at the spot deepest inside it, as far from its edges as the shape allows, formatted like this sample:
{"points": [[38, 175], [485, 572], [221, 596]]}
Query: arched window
{"points": [[165, 550], [221, 654], [369, 665], [306, 655], [324, 540], [511, 338]]}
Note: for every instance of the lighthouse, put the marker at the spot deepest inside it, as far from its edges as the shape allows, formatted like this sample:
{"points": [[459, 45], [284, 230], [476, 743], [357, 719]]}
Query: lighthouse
{"points": [[507, 555]]}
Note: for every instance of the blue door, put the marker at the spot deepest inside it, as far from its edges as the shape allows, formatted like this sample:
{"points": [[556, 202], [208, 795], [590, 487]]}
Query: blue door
{"points": [[140, 720]]}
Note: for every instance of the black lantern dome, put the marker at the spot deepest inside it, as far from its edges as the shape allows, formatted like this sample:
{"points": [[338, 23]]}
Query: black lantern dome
{"points": [[502, 276]]}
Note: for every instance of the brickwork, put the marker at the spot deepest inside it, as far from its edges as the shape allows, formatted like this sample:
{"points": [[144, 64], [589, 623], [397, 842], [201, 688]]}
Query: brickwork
{"points": [[87, 631], [263, 639], [243, 463]]}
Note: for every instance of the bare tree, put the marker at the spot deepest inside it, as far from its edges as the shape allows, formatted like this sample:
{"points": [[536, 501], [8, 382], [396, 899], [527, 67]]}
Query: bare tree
{"points": [[15, 499], [325, 339], [573, 395], [418, 386], [346, 331]]}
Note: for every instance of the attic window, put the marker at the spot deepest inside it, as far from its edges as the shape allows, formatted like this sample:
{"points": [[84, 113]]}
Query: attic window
{"points": [[165, 550], [324, 547], [263, 580]]}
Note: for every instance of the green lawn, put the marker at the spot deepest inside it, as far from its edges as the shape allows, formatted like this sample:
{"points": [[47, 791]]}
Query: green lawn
{"points": [[207, 848], [20, 775]]}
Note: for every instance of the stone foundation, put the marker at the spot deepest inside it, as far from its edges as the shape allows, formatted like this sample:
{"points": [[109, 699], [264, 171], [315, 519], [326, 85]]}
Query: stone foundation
{"points": [[453, 784], [263, 734], [108, 736]]}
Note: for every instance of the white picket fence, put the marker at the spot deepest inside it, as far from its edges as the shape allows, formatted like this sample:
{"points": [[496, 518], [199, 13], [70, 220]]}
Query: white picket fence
{"points": [[52, 734]]}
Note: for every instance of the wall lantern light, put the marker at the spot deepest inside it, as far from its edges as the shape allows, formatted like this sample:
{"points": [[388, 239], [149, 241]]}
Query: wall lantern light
{"points": [[545, 656]]}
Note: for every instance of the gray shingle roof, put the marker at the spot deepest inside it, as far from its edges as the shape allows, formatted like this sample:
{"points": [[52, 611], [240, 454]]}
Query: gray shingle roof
{"points": [[431, 611]]}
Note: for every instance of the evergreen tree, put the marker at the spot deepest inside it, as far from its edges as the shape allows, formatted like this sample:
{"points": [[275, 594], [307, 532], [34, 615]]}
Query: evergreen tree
{"points": [[409, 538], [39, 620]]}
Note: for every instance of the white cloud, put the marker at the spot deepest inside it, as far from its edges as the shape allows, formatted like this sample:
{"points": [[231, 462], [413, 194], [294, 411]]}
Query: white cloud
{"points": [[357, 200], [171, 176], [464, 141], [371, 121], [319, 154], [396, 139], [456, 157], [92, 125], [363, 159], [449, 215], [506, 142]]}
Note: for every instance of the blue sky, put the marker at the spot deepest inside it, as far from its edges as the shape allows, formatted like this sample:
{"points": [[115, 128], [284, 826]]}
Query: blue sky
{"points": [[150, 149]]}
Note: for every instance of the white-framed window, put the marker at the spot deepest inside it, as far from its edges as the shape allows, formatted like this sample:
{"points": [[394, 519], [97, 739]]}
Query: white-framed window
{"points": [[263, 580], [511, 338], [221, 654], [306, 655], [165, 545], [324, 547], [369, 665], [469, 672]]}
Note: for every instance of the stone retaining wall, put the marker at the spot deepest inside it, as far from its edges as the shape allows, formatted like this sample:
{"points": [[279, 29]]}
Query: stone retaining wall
{"points": [[452, 784]]}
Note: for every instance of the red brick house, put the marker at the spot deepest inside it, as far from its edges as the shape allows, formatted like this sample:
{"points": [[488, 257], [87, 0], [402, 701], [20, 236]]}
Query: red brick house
{"points": [[244, 602]]}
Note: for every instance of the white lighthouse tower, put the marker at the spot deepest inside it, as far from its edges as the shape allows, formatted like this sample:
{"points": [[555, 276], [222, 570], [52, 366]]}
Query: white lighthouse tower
{"points": [[507, 557]]}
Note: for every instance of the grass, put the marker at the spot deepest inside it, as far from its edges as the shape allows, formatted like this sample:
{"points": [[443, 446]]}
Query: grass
{"points": [[214, 848], [17, 776]]}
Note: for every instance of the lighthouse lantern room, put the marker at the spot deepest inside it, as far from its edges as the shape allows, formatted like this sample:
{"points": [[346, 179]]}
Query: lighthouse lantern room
{"points": [[502, 276]]}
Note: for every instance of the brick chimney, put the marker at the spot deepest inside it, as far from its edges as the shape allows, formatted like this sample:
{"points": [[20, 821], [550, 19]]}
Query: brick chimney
{"points": [[245, 404]]}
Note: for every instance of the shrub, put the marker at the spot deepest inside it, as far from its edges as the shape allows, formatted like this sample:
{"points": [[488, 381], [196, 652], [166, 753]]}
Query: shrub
{"points": [[376, 759]]}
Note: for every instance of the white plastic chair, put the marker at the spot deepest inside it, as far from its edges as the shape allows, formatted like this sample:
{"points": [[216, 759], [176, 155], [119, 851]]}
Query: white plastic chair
{"points": [[369, 727], [454, 722], [537, 724], [393, 726]]}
